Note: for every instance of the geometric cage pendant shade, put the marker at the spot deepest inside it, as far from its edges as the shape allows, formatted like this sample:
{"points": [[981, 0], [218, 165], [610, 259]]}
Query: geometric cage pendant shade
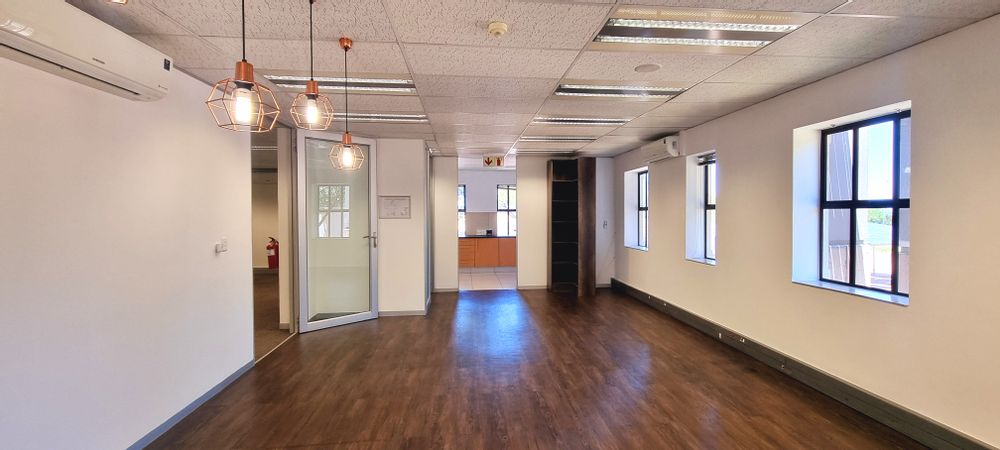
{"points": [[346, 155], [311, 110], [241, 104]]}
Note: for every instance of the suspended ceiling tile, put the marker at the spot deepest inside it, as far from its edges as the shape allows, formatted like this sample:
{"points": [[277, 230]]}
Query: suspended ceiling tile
{"points": [[859, 37], [137, 18], [549, 145], [705, 109], [463, 22], [277, 56], [784, 69], [485, 148], [482, 105], [731, 92], [813, 6], [973, 9], [443, 128], [645, 133], [361, 20], [488, 61], [452, 86], [480, 119], [602, 107], [676, 67], [387, 130], [453, 139], [667, 122], [567, 130], [377, 103]]}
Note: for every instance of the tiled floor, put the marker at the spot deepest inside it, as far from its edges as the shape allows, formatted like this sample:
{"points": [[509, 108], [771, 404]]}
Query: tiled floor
{"points": [[487, 278]]}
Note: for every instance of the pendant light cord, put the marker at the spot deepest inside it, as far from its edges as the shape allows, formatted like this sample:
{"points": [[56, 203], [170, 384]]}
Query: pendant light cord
{"points": [[311, 38], [346, 111], [244, 19]]}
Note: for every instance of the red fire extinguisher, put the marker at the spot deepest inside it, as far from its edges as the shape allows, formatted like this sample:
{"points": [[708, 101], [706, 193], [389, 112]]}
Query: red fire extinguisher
{"points": [[272, 254]]}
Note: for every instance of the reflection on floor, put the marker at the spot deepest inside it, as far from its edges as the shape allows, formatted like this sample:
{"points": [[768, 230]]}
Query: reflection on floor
{"points": [[266, 335], [487, 278], [518, 370]]}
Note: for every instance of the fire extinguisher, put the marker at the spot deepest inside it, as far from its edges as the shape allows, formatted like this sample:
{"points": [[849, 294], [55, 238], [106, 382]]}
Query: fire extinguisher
{"points": [[272, 254]]}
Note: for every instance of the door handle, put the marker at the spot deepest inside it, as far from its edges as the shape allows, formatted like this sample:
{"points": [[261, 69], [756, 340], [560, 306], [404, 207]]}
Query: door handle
{"points": [[374, 238]]}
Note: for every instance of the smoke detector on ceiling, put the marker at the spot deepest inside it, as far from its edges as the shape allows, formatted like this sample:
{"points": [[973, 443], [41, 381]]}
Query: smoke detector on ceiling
{"points": [[497, 29]]}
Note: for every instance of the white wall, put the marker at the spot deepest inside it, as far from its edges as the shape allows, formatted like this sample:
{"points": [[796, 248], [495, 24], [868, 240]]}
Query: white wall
{"points": [[285, 205], [481, 188], [604, 257], [264, 217], [532, 221], [938, 356], [444, 183], [116, 310], [402, 170]]}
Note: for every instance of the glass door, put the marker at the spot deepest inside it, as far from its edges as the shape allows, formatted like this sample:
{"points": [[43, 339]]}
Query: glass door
{"points": [[337, 235]]}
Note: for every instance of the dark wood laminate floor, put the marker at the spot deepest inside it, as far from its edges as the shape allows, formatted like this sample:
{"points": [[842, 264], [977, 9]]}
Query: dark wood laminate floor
{"points": [[508, 369], [266, 334]]}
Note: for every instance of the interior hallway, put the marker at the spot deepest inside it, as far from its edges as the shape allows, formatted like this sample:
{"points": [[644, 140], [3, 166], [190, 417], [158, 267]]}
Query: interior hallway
{"points": [[487, 278], [266, 334], [521, 369]]}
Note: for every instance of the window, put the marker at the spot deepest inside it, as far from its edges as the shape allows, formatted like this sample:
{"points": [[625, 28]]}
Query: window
{"points": [[334, 211], [461, 210], [643, 210], [707, 163], [865, 204], [506, 210]]}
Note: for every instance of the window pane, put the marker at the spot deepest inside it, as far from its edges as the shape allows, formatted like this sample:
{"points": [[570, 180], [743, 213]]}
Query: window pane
{"points": [[512, 223], [643, 188], [345, 197], [875, 166], [836, 244], [904, 158], [512, 197], [501, 197], [710, 234], [461, 224], [323, 228], [642, 228], [903, 270], [839, 154], [873, 254], [461, 197], [710, 169], [502, 228]]}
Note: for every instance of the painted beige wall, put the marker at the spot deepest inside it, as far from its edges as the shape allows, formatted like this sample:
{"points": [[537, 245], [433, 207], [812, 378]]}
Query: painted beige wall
{"points": [[402, 170], [116, 311], [264, 217], [938, 356], [444, 184], [532, 221], [604, 258]]}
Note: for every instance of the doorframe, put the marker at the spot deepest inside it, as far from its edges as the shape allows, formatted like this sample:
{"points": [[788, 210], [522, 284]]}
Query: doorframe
{"points": [[301, 234]]}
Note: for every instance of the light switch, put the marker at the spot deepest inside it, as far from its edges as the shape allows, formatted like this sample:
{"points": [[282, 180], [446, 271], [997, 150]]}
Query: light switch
{"points": [[222, 245]]}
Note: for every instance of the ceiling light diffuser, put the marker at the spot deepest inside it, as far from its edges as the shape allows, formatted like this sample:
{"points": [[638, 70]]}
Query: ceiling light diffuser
{"points": [[311, 110], [583, 90], [705, 33], [240, 103], [556, 139], [368, 85], [377, 117], [681, 41], [706, 26], [578, 121]]}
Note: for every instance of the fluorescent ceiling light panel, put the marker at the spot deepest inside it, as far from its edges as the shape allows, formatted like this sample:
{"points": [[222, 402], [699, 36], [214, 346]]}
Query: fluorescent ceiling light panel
{"points": [[704, 26], [374, 117], [681, 41], [582, 90], [578, 121], [692, 33], [556, 139], [384, 85]]}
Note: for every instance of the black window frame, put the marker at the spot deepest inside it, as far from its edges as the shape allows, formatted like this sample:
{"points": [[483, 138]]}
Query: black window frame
{"points": [[508, 210], [706, 162], [642, 208], [854, 204]]}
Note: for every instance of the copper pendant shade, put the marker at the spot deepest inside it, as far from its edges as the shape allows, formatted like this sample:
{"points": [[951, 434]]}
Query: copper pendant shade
{"points": [[345, 155], [311, 110], [240, 103]]}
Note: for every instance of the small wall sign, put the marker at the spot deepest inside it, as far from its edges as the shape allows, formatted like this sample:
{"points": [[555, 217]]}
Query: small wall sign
{"points": [[394, 207], [493, 161]]}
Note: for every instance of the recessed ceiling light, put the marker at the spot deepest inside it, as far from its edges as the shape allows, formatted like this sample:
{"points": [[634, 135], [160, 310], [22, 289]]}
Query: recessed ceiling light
{"points": [[692, 33], [542, 151], [578, 121], [680, 41], [647, 68], [377, 117], [583, 90], [385, 85], [556, 139], [704, 26], [118, 2]]}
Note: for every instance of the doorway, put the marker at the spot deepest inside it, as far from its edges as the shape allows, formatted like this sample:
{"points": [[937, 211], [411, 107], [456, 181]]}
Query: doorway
{"points": [[337, 234], [487, 226]]}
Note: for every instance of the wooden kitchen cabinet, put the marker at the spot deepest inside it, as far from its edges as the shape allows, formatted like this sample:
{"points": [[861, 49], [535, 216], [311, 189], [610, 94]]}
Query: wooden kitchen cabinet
{"points": [[466, 252], [487, 252], [508, 252]]}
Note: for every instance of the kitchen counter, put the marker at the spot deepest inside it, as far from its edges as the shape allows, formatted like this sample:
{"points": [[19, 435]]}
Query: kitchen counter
{"points": [[487, 251]]}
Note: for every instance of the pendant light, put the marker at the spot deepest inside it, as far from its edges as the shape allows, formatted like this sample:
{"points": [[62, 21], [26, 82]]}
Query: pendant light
{"points": [[345, 155], [240, 103], [310, 109]]}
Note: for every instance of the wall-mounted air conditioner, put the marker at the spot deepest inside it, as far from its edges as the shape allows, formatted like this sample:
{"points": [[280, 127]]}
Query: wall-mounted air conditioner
{"points": [[663, 148], [54, 36]]}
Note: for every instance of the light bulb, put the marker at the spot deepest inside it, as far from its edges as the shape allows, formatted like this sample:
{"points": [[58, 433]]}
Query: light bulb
{"points": [[312, 112], [243, 106], [347, 157]]}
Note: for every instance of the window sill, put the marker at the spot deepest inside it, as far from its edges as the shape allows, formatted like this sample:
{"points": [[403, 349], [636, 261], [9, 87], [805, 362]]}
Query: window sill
{"points": [[871, 294], [705, 261], [636, 247]]}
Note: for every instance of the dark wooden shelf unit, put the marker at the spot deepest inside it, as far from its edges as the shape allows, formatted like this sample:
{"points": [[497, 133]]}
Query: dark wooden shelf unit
{"points": [[571, 226]]}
